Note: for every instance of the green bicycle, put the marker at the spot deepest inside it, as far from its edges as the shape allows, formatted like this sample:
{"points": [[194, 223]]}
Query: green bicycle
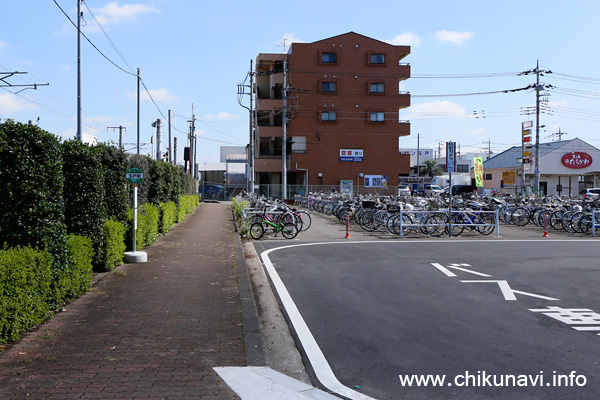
{"points": [[289, 230]]}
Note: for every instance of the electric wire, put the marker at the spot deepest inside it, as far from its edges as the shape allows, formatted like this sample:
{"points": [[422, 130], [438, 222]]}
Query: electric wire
{"points": [[90, 42]]}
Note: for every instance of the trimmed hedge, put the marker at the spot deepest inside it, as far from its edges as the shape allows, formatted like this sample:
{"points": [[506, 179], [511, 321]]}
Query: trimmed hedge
{"points": [[78, 277], [31, 189], [168, 216], [25, 287], [85, 213], [114, 244], [186, 205]]}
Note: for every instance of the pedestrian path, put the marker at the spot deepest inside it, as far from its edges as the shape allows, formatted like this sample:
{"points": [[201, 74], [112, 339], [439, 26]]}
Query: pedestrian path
{"points": [[147, 331]]}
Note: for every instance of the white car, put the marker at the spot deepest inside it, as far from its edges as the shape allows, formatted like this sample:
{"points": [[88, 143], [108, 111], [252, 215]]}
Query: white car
{"points": [[590, 192], [433, 190], [403, 190]]}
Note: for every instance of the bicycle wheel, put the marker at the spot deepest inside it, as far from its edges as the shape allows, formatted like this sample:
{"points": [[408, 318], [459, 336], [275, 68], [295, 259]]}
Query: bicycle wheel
{"points": [[565, 221], [366, 220], [380, 221], [487, 222], [257, 230], [289, 230], [457, 224], [306, 220], [519, 216], [585, 224], [555, 219], [435, 225]]}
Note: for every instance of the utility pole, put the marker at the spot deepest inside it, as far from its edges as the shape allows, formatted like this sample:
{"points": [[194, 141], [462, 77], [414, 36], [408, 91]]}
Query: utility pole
{"points": [[120, 128], [537, 128], [158, 125], [192, 143], [175, 150], [79, 70], [138, 111], [242, 91], [170, 139], [284, 135]]}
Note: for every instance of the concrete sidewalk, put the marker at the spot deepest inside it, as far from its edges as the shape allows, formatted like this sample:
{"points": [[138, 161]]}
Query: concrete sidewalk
{"points": [[147, 331]]}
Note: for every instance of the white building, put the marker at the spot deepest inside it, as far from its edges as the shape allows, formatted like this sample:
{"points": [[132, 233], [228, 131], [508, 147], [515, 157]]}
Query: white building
{"points": [[566, 167]]}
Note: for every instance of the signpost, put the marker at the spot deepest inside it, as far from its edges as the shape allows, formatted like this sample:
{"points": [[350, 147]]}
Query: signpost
{"points": [[135, 176]]}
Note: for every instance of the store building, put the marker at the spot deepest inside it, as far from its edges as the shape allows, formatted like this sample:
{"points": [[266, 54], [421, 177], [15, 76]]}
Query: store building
{"points": [[341, 104], [566, 167]]}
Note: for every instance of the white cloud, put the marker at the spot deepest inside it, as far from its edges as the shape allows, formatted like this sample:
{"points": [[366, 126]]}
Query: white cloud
{"points": [[10, 103], [112, 13], [439, 109], [288, 39], [88, 138], [453, 37], [405, 39], [3, 44]]}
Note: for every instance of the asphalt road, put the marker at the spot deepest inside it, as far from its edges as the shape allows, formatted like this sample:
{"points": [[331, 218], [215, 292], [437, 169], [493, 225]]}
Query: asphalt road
{"points": [[478, 313]]}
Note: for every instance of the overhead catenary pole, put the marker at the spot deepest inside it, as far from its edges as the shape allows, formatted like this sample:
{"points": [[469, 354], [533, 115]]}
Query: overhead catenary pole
{"points": [[138, 111], [284, 133], [79, 136]]}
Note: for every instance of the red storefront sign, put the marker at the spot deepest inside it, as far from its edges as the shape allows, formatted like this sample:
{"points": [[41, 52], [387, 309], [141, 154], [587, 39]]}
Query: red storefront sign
{"points": [[576, 160]]}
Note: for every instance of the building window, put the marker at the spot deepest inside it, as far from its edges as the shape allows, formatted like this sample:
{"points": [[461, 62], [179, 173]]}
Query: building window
{"points": [[377, 117], [328, 58], [377, 58], [462, 168], [328, 116], [487, 177], [330, 87], [299, 144], [377, 88]]}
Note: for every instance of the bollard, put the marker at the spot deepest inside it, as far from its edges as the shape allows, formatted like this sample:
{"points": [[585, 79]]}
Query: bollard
{"points": [[347, 227], [545, 226]]}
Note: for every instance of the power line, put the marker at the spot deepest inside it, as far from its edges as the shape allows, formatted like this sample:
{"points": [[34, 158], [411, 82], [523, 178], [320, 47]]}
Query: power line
{"points": [[90, 42]]}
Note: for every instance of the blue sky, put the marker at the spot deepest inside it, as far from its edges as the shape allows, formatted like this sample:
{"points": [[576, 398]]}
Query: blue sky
{"points": [[196, 52]]}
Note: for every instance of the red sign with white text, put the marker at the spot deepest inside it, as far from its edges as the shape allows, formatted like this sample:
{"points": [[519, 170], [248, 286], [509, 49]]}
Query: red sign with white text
{"points": [[576, 160]]}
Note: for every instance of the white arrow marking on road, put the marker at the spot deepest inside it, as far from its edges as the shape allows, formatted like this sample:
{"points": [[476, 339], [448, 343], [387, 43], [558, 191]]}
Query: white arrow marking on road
{"points": [[458, 267], [509, 293]]}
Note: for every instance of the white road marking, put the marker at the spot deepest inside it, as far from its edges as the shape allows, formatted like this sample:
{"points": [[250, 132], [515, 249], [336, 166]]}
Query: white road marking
{"points": [[509, 293], [313, 351], [451, 274]]}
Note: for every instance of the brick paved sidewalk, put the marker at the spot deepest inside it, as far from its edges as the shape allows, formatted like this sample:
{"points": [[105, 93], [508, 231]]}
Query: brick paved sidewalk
{"points": [[147, 331]]}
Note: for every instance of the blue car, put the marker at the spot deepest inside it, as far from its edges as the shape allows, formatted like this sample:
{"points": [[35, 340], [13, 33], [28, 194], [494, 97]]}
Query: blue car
{"points": [[212, 192]]}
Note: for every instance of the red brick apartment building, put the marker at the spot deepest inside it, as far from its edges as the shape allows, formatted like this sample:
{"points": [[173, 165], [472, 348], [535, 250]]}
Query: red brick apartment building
{"points": [[343, 108]]}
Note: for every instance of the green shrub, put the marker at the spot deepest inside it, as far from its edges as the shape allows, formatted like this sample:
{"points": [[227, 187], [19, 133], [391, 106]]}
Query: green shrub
{"points": [[78, 277], [168, 216], [25, 287], [114, 168], [239, 217], [187, 204], [31, 189], [152, 215], [85, 211], [114, 244]]}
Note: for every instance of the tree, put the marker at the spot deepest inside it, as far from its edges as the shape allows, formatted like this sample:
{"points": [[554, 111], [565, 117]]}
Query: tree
{"points": [[430, 168]]}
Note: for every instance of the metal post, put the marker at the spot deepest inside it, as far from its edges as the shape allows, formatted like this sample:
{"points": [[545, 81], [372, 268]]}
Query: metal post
{"points": [[251, 139], [537, 129], [284, 137], [138, 111], [134, 217], [170, 140], [175, 151], [79, 136]]}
